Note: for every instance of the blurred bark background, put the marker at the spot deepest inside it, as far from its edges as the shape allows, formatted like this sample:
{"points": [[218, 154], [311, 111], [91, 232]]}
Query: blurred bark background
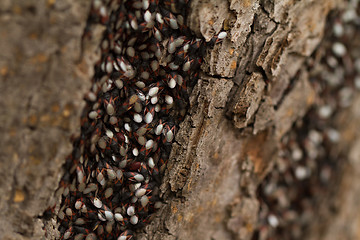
{"points": [[270, 148]]}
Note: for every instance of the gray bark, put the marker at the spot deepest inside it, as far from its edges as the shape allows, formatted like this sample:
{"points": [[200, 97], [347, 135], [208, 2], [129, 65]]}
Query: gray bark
{"points": [[254, 86]]}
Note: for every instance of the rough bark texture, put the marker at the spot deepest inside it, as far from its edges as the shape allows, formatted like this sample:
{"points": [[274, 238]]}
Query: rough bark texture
{"points": [[253, 88], [43, 79]]}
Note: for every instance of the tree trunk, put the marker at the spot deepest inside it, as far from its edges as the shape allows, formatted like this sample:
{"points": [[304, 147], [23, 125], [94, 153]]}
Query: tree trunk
{"points": [[255, 105]]}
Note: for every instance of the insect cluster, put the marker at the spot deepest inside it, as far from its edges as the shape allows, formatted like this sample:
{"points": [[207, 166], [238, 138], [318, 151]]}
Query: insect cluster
{"points": [[311, 155], [149, 58]]}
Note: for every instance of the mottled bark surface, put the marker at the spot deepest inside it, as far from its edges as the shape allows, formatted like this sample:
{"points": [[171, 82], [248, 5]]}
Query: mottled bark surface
{"points": [[43, 80], [254, 86]]}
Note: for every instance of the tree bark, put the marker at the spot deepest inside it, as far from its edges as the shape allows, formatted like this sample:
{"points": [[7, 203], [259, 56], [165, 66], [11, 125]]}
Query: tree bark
{"points": [[256, 86]]}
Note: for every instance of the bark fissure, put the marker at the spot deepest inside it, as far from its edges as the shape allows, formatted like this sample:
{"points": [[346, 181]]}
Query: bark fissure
{"points": [[253, 91]]}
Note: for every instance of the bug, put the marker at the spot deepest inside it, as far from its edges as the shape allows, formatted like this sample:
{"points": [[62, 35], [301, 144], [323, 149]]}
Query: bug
{"points": [[140, 90]]}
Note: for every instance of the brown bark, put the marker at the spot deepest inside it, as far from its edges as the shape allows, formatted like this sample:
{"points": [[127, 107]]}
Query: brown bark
{"points": [[42, 85], [254, 86]]}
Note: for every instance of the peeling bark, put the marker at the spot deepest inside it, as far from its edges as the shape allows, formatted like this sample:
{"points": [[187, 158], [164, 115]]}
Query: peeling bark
{"points": [[254, 86]]}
